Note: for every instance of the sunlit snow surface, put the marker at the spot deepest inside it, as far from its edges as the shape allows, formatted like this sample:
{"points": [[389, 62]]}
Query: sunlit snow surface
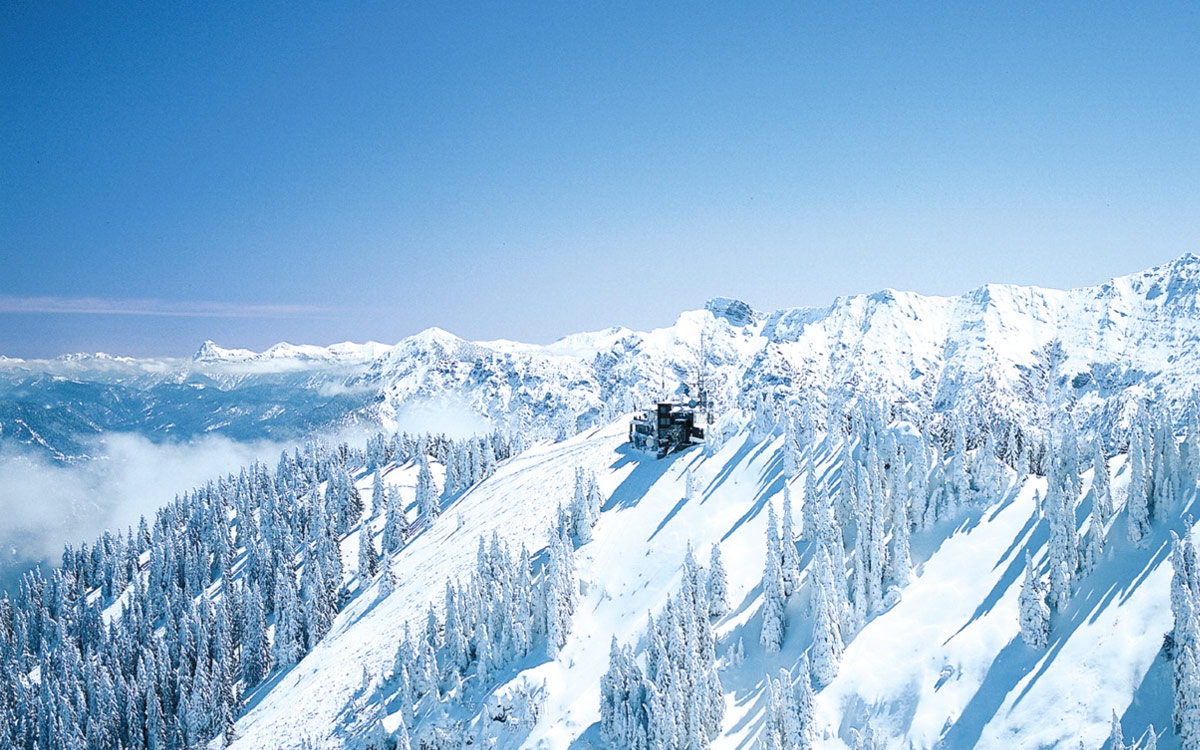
{"points": [[944, 665]]}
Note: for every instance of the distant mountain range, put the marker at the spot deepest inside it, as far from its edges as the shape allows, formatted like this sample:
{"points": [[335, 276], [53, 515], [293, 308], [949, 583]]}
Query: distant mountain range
{"points": [[1006, 355]]}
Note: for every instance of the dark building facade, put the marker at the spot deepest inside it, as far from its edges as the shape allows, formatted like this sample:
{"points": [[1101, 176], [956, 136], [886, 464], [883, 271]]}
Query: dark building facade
{"points": [[667, 427]]}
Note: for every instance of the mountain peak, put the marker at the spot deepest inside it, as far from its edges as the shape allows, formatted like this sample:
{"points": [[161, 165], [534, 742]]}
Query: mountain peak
{"points": [[209, 351], [734, 310]]}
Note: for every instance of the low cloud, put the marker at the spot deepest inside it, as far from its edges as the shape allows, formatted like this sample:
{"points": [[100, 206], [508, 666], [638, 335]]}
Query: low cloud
{"points": [[445, 415], [44, 505]]}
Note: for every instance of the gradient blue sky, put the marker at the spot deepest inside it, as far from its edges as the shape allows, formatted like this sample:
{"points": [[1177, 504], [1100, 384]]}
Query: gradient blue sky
{"points": [[257, 172]]}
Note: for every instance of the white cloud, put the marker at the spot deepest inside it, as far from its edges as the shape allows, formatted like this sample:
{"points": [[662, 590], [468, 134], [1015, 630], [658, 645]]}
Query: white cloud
{"points": [[443, 414], [44, 505], [153, 307]]}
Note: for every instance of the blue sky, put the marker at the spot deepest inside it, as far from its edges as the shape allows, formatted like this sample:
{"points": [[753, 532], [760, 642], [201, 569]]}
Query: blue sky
{"points": [[256, 172]]}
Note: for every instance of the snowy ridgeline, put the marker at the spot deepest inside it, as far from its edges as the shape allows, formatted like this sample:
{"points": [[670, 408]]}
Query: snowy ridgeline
{"points": [[933, 586], [1003, 359]]}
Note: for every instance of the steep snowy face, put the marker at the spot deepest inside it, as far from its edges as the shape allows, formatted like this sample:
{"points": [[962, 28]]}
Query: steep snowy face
{"points": [[1015, 357], [1013, 354]]}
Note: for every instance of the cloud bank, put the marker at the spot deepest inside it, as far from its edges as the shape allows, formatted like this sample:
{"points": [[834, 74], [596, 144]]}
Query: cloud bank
{"points": [[44, 505]]}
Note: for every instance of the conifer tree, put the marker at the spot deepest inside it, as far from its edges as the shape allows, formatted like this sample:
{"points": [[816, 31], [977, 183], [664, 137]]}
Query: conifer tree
{"points": [[1137, 502], [256, 653], [815, 505], [827, 638], [1101, 486], [426, 496], [846, 507], [1093, 544], [395, 525], [580, 510], [789, 559], [368, 558], [900, 557], [772, 587], [378, 495], [1062, 549], [1034, 614], [718, 584], [285, 648], [791, 448], [387, 581], [1186, 639], [1116, 737]]}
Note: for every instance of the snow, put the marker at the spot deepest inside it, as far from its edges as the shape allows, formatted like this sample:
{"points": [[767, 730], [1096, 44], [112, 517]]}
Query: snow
{"points": [[944, 664]]}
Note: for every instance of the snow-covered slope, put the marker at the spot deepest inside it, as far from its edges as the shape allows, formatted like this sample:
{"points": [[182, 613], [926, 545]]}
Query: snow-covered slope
{"points": [[943, 667]]}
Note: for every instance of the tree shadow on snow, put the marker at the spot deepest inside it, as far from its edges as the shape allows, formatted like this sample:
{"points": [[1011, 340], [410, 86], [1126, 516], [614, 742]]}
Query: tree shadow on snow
{"points": [[770, 484], [1034, 534], [588, 739], [735, 460], [1152, 703], [1123, 569], [647, 470]]}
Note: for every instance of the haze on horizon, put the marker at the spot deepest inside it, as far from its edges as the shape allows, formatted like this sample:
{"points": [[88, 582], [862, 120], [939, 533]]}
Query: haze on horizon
{"points": [[317, 173]]}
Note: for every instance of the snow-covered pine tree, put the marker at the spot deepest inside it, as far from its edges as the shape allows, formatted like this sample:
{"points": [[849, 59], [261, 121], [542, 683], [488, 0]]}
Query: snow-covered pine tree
{"points": [[772, 587], [256, 646], [428, 503], [395, 525], [873, 515], [900, 554], [918, 477], [1034, 614], [815, 505], [595, 499], [378, 495], [1186, 639], [792, 448], [387, 579], [804, 703], [1116, 737], [1091, 544], [956, 481], [288, 636], [782, 730], [718, 584], [789, 560], [583, 510], [559, 593], [318, 607], [368, 558], [846, 508], [1137, 501], [827, 638], [455, 478], [1102, 498], [1062, 550]]}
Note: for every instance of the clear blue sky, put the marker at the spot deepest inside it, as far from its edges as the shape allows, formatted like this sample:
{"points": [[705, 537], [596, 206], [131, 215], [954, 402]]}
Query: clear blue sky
{"points": [[257, 172]]}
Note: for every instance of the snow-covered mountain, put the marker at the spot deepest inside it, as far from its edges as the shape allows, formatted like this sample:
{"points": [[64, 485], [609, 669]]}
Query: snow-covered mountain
{"points": [[996, 354], [949, 460]]}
